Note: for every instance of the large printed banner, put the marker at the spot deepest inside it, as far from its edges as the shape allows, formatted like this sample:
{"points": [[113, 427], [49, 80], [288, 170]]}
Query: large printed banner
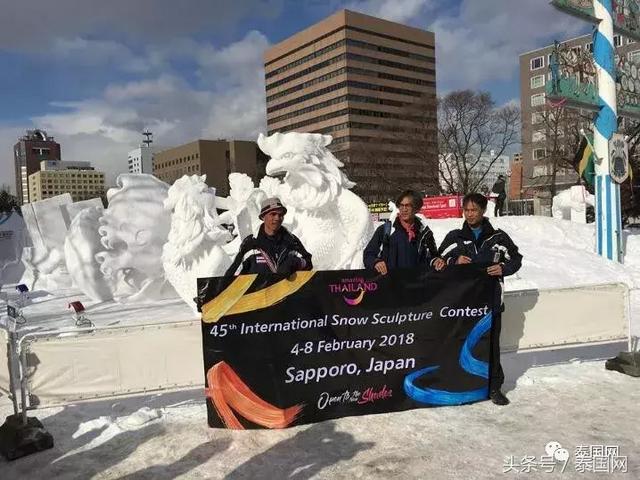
{"points": [[280, 352]]}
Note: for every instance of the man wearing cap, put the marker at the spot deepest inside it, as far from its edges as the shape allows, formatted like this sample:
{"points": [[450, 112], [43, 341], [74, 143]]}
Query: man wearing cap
{"points": [[498, 188], [274, 249]]}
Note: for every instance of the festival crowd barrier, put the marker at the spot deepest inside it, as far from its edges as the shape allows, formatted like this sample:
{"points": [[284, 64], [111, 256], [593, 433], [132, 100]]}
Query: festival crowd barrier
{"points": [[100, 362]]}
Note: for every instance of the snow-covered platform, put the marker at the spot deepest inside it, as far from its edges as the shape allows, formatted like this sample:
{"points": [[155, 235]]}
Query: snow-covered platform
{"points": [[166, 436], [141, 348]]}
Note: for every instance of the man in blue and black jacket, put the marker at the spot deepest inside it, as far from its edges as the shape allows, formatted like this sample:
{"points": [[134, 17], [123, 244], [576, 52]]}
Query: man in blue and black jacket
{"points": [[406, 243], [478, 242], [274, 249]]}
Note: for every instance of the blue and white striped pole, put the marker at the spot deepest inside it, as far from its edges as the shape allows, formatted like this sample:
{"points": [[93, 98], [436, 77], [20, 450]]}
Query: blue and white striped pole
{"points": [[608, 217]]}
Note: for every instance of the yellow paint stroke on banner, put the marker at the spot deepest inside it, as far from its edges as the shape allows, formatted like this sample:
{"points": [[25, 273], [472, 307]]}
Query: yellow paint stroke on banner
{"points": [[236, 301], [216, 308]]}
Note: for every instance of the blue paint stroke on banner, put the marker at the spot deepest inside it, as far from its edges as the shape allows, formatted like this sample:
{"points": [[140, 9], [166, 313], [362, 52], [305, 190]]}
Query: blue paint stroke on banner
{"points": [[468, 363]]}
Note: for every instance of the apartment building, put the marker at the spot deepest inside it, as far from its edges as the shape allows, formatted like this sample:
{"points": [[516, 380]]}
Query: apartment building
{"points": [[534, 76]]}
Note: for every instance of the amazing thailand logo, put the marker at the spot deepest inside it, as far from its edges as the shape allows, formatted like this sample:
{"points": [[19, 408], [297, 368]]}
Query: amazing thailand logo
{"points": [[353, 290]]}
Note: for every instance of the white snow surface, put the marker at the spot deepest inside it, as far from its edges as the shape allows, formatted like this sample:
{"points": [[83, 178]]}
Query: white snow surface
{"points": [[166, 435], [573, 404]]}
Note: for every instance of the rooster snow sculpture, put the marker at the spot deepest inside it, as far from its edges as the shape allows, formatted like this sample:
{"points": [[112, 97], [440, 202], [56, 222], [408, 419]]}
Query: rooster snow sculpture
{"points": [[194, 248], [133, 230], [332, 222]]}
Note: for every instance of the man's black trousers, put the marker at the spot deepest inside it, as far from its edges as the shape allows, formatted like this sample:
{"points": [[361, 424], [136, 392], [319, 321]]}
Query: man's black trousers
{"points": [[496, 375]]}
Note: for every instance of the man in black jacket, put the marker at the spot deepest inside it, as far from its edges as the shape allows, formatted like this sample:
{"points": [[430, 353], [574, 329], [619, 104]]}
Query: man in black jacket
{"points": [[406, 243], [478, 242], [499, 189], [274, 249]]}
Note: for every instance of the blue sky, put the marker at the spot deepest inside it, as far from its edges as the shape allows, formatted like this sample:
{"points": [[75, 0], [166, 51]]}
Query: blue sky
{"points": [[95, 73]]}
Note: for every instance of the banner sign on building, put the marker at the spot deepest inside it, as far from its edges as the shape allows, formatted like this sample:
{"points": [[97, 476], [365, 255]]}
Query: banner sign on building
{"points": [[280, 352], [379, 207]]}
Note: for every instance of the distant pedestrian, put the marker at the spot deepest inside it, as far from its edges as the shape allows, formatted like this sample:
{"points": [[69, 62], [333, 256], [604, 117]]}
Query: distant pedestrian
{"points": [[499, 189]]}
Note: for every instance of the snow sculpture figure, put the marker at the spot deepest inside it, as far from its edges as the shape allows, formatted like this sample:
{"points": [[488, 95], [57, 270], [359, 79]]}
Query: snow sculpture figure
{"points": [[12, 241], [133, 230], [43, 257], [80, 249], [332, 222], [572, 204], [244, 202], [194, 248]]}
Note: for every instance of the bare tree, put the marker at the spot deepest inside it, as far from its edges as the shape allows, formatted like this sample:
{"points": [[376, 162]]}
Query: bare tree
{"points": [[558, 133], [469, 128], [8, 202]]}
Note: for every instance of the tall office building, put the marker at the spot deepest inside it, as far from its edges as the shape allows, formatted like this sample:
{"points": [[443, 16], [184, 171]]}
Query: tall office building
{"points": [[215, 158], [534, 75], [53, 178], [356, 77], [31, 149]]}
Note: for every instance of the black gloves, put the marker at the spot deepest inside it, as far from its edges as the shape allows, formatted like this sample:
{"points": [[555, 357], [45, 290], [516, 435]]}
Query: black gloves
{"points": [[289, 265]]}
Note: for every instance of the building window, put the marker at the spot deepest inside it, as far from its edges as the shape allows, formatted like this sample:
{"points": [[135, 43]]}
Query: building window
{"points": [[537, 81], [537, 63], [538, 137], [617, 40], [537, 99], [539, 154]]}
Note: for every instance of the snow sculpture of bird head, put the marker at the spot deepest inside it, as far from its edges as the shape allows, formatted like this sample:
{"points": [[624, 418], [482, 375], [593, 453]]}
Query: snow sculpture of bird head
{"points": [[312, 175]]}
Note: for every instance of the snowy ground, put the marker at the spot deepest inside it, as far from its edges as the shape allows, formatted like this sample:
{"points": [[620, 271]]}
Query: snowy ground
{"points": [[165, 436]]}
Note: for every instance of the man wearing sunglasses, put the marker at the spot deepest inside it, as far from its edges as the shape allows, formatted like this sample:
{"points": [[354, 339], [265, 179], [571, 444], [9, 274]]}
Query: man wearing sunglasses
{"points": [[406, 243]]}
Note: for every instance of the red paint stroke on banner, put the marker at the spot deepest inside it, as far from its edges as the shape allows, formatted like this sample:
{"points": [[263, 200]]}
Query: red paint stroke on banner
{"points": [[228, 392]]}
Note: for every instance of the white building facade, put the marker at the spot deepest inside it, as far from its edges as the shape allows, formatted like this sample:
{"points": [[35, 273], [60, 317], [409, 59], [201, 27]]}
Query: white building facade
{"points": [[140, 160]]}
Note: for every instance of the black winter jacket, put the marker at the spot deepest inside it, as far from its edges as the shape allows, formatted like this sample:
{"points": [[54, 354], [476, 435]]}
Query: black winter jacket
{"points": [[492, 246], [281, 253], [397, 251]]}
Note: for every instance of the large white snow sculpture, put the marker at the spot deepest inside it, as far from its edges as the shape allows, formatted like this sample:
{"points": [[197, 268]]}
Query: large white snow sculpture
{"points": [[194, 247], [80, 249], [133, 230], [333, 223], [12, 239], [572, 204], [244, 202], [44, 256]]}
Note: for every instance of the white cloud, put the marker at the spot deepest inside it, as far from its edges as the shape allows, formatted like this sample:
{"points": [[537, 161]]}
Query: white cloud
{"points": [[481, 42], [229, 102], [8, 137], [402, 11], [33, 24], [80, 51]]}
